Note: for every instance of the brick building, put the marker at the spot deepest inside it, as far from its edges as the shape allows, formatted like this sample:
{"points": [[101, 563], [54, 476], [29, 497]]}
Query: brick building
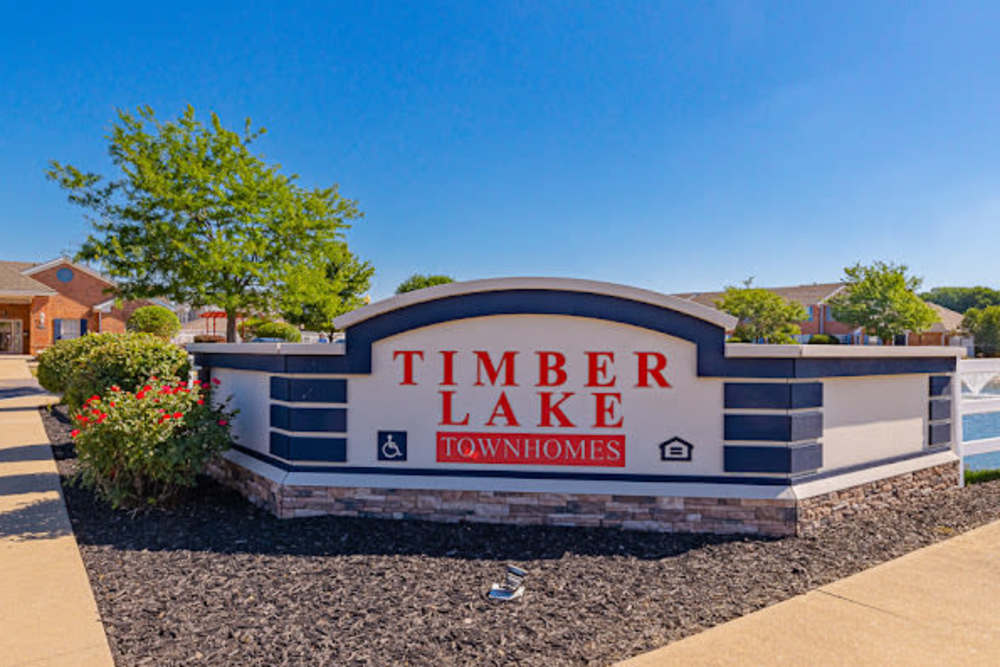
{"points": [[815, 299], [56, 300]]}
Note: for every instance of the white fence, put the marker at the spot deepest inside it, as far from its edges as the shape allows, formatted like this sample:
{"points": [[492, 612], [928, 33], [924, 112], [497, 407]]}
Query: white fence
{"points": [[978, 414]]}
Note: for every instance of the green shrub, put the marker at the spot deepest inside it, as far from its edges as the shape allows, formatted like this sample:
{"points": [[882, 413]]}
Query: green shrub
{"points": [[823, 339], [137, 449], [126, 361], [156, 320], [282, 330], [57, 363], [248, 326], [979, 476]]}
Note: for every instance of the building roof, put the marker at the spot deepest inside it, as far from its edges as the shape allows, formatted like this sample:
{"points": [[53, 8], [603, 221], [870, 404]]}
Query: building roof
{"points": [[807, 295], [948, 319], [13, 280]]}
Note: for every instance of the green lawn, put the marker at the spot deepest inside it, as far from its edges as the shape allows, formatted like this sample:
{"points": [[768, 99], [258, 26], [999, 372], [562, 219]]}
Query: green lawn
{"points": [[978, 476]]}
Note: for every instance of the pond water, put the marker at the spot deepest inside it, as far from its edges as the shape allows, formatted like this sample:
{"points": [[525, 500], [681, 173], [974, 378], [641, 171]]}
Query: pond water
{"points": [[989, 461]]}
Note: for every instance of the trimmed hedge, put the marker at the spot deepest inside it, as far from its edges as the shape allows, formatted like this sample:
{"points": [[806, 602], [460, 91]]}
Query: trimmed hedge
{"points": [[124, 360], [823, 339], [282, 330], [209, 338], [57, 363], [156, 320]]}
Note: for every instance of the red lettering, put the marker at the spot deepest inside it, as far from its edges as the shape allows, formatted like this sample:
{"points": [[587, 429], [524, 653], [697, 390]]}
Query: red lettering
{"points": [[408, 356], [531, 449], [597, 367], [655, 370], [549, 409], [483, 362], [502, 409], [549, 363], [448, 373], [446, 418], [604, 409]]}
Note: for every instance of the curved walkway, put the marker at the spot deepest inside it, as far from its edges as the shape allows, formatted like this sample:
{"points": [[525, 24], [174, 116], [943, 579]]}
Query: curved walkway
{"points": [[935, 606], [47, 611]]}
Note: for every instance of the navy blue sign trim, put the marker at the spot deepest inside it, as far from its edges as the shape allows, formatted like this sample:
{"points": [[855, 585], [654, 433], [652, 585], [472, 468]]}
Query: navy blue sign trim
{"points": [[511, 474], [308, 390], [760, 458], [709, 337], [940, 385], [309, 419], [939, 409], [779, 428], [939, 433], [298, 448], [774, 395]]}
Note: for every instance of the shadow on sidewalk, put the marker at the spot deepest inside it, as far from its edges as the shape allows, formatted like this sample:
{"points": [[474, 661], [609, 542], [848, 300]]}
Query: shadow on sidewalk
{"points": [[39, 520]]}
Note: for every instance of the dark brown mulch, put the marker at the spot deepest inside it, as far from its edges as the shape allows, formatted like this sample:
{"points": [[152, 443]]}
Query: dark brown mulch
{"points": [[217, 581]]}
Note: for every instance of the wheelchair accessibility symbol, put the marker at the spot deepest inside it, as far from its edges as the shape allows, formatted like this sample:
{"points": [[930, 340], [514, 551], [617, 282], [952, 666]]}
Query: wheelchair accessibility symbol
{"points": [[392, 445]]}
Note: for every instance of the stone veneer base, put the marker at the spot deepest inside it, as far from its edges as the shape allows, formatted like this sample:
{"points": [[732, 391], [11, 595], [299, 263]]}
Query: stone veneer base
{"points": [[769, 517]]}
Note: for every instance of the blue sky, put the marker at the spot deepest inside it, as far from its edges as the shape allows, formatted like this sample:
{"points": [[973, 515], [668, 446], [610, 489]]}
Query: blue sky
{"points": [[674, 146]]}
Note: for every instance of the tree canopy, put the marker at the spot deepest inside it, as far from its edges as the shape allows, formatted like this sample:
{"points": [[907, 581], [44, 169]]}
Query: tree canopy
{"points": [[193, 215], [960, 299], [313, 295], [420, 281], [763, 315], [984, 325], [881, 298]]}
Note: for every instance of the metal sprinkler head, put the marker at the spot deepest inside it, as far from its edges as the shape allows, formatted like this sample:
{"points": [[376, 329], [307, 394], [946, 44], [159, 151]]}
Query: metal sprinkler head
{"points": [[512, 587]]}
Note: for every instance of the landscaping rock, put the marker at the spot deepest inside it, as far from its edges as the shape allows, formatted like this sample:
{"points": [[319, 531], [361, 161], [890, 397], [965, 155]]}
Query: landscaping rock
{"points": [[216, 581]]}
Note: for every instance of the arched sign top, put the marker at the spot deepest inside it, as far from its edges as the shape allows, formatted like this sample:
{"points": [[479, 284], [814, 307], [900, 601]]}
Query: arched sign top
{"points": [[573, 285]]}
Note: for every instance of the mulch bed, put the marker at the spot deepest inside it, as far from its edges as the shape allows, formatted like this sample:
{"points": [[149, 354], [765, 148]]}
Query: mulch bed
{"points": [[214, 580]]}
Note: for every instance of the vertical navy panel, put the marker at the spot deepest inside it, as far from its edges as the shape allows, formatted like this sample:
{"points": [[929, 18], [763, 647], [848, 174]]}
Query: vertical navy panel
{"points": [[939, 433], [309, 390], [83, 326], [806, 394], [309, 419], [296, 448], [940, 409], [773, 395], [940, 385], [781, 428], [759, 458]]}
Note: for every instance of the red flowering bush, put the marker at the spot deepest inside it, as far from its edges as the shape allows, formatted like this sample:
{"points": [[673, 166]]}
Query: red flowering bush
{"points": [[141, 448]]}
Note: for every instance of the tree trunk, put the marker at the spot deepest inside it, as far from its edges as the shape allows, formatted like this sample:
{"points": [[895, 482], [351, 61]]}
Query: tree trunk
{"points": [[231, 326]]}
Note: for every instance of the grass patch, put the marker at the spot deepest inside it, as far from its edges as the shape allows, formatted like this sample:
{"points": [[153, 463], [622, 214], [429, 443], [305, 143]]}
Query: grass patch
{"points": [[980, 476]]}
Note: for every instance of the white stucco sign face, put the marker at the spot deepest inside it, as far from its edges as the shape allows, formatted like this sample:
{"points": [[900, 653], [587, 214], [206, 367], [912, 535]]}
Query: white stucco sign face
{"points": [[536, 391]]}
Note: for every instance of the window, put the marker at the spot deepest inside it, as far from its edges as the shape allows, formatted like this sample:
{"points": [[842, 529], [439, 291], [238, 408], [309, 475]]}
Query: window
{"points": [[829, 314], [64, 275], [809, 313], [68, 329]]}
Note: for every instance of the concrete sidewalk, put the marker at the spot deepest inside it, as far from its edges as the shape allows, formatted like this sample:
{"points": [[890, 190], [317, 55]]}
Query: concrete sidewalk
{"points": [[938, 605], [48, 615]]}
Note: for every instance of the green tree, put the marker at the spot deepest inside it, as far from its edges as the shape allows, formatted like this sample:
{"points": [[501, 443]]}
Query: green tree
{"points": [[420, 281], [195, 216], [960, 299], [314, 295], [881, 298], [762, 314], [984, 325]]}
